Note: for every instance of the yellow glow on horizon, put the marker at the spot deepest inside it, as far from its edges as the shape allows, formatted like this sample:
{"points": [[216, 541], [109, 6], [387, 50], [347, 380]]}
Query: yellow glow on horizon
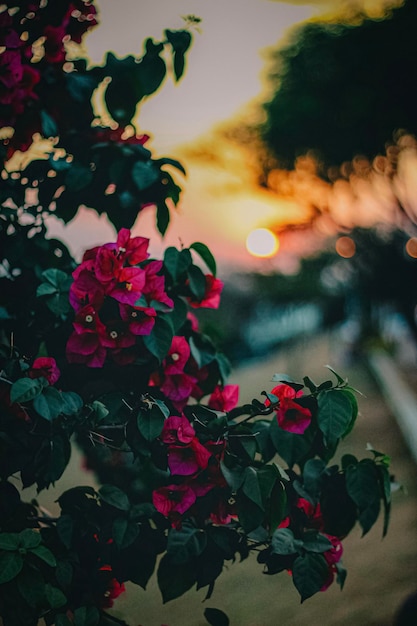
{"points": [[262, 242]]}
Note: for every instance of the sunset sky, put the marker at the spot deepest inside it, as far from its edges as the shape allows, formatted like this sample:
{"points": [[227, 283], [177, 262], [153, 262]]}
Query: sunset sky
{"points": [[221, 203]]}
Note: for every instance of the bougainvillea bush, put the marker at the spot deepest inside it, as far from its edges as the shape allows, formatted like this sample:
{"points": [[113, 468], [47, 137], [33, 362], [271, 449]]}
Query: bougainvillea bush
{"points": [[106, 354]]}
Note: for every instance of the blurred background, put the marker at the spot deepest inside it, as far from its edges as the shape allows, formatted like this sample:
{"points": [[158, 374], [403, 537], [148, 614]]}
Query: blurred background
{"points": [[296, 123]]}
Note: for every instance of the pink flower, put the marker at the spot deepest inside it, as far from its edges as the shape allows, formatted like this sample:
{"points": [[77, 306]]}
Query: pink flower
{"points": [[177, 356], [173, 499], [133, 250], [154, 289], [107, 265], [224, 398], [141, 320], [211, 298], [178, 388], [189, 459], [116, 335], [85, 348], [46, 367], [88, 321], [291, 416], [177, 429], [128, 289]]}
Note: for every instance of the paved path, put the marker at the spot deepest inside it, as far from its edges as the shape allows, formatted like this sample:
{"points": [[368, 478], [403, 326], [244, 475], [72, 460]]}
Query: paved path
{"points": [[380, 572]]}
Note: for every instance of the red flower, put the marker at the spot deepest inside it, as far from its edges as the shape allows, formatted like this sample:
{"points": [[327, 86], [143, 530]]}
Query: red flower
{"points": [[45, 366], [291, 416], [332, 556], [128, 289], [211, 298], [85, 348], [224, 398]]}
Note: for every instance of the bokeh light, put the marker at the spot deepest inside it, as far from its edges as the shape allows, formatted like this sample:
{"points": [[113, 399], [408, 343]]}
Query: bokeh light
{"points": [[345, 247], [411, 247], [262, 242]]}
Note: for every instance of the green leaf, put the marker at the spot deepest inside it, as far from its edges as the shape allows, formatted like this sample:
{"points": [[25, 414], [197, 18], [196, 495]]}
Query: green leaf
{"points": [[173, 162], [45, 289], [30, 538], [64, 573], [49, 403], [11, 564], [197, 282], [160, 339], [31, 586], [54, 596], [283, 542], [71, 402], [385, 481], [310, 572], [215, 617], [180, 41], [59, 279], [334, 414], [144, 174], [206, 255], [65, 528], [42, 552], [177, 261], [174, 579], [363, 487], [292, 447], [162, 217], [49, 127], [150, 422], [185, 543], [124, 532], [9, 541], [77, 177], [86, 616], [115, 497], [316, 542], [25, 389], [276, 505]]}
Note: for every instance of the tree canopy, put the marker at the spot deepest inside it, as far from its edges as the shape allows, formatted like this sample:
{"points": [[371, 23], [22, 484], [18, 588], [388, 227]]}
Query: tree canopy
{"points": [[342, 90]]}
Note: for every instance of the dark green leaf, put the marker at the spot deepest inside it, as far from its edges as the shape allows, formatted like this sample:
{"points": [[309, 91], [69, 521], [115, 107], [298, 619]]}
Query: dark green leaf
{"points": [[150, 422], [310, 572], [114, 496], [162, 217], [49, 403], [173, 162], [385, 481], [78, 177], [54, 596], [144, 174], [9, 541], [31, 586], [124, 532], [25, 389], [334, 414], [215, 617], [63, 573], [185, 543], [363, 487], [71, 402], [206, 255], [160, 339], [283, 542], [30, 538], [292, 447], [42, 552], [316, 542], [177, 261], [174, 579], [65, 528], [11, 564], [49, 127], [86, 616], [197, 282]]}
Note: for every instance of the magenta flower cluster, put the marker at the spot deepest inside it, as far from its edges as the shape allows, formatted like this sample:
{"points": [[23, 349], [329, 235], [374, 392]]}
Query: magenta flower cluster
{"points": [[39, 27], [108, 286]]}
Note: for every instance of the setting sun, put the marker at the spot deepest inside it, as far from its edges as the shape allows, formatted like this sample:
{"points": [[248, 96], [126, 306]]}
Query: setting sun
{"points": [[262, 242]]}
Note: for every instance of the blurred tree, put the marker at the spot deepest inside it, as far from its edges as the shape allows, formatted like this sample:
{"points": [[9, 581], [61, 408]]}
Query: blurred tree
{"points": [[342, 89]]}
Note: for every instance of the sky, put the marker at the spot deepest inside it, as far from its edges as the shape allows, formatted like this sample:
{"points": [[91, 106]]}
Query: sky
{"points": [[224, 79]]}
